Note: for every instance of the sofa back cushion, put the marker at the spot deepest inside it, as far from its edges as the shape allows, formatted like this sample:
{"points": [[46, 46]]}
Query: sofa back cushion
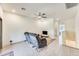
{"points": [[33, 40]]}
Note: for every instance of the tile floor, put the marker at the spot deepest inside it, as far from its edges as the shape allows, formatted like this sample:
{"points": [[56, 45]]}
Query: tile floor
{"points": [[53, 49]]}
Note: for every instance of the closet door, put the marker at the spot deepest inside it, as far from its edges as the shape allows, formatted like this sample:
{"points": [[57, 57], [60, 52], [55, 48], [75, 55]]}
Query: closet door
{"points": [[0, 33]]}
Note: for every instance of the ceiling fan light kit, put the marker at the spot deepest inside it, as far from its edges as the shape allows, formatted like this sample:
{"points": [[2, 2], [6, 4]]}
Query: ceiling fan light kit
{"points": [[42, 15]]}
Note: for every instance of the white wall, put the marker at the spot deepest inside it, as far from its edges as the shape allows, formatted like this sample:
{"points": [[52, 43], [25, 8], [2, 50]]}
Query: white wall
{"points": [[15, 25], [77, 27], [69, 24], [1, 12]]}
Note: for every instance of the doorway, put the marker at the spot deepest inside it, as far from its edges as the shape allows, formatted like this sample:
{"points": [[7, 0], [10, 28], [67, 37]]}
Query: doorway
{"points": [[0, 33], [61, 31]]}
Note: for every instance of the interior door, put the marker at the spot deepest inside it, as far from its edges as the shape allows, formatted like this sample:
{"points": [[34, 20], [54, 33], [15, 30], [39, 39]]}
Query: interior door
{"points": [[61, 30], [0, 33]]}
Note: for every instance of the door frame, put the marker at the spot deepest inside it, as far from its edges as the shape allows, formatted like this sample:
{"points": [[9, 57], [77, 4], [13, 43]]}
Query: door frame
{"points": [[1, 32]]}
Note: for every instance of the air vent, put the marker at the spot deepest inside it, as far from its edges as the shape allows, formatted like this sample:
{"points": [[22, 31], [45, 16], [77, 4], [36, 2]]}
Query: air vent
{"points": [[70, 5]]}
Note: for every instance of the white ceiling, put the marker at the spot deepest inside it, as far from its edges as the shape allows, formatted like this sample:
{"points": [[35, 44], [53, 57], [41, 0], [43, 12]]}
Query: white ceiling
{"points": [[32, 9]]}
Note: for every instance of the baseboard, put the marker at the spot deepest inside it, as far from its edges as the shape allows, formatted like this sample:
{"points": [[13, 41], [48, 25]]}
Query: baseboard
{"points": [[18, 42], [12, 44]]}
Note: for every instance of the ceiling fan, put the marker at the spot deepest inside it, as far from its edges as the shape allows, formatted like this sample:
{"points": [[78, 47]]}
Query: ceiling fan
{"points": [[41, 15]]}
